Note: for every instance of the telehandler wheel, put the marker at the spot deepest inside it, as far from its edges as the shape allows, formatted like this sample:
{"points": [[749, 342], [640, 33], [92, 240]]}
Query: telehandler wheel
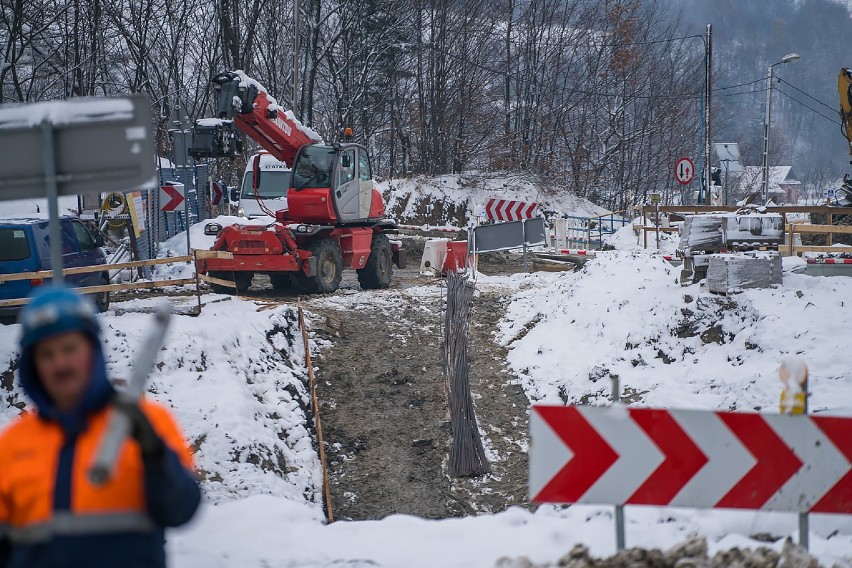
{"points": [[218, 288], [378, 271], [243, 280], [281, 281], [329, 268]]}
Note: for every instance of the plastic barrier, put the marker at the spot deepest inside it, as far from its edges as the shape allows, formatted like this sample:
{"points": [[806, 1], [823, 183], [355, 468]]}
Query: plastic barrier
{"points": [[455, 258]]}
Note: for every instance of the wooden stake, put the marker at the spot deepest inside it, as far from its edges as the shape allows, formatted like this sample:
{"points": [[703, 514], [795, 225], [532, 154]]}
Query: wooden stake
{"points": [[315, 403]]}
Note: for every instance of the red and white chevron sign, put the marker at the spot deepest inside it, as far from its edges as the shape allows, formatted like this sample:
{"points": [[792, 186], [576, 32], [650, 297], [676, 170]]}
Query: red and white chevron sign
{"points": [[690, 458], [506, 210]]}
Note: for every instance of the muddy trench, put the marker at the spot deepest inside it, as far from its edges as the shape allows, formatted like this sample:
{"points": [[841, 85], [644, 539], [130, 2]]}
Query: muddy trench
{"points": [[383, 403]]}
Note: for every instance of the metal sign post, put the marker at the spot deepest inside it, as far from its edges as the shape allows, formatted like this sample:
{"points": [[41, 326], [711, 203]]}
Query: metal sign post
{"points": [[655, 199], [182, 138], [71, 147], [52, 191]]}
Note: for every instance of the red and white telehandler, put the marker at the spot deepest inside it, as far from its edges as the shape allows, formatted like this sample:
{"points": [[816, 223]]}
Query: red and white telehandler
{"points": [[335, 217]]}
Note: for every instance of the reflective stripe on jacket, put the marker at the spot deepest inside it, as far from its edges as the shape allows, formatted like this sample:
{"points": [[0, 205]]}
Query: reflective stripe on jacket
{"points": [[49, 508]]}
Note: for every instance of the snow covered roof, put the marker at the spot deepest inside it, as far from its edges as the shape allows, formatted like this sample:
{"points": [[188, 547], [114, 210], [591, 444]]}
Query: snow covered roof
{"points": [[751, 179]]}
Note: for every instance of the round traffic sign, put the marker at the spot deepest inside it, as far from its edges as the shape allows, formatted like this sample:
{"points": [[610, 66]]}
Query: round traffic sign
{"points": [[684, 171]]}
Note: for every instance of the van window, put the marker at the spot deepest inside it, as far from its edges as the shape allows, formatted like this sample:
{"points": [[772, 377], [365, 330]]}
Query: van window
{"points": [[83, 236], [14, 244], [273, 183]]}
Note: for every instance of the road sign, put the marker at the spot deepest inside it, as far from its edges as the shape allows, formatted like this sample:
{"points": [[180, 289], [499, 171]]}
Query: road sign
{"points": [[84, 145], [216, 193], [99, 144], [828, 193], [684, 171], [171, 196], [507, 210], [690, 458], [655, 198]]}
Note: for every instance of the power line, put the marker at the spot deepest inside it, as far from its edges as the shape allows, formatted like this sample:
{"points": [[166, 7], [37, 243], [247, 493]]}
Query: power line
{"points": [[807, 95], [832, 120], [740, 85]]}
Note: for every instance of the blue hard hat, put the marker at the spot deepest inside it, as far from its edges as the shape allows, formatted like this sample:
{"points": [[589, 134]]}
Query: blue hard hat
{"points": [[54, 310]]}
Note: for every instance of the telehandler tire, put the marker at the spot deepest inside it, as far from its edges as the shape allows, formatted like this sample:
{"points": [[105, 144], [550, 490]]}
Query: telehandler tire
{"points": [[378, 271]]}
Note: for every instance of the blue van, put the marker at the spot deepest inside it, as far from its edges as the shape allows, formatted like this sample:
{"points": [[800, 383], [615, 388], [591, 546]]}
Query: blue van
{"points": [[25, 247]]}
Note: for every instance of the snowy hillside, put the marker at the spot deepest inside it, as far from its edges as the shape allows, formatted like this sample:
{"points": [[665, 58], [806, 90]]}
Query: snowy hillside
{"points": [[240, 401], [446, 200], [625, 315]]}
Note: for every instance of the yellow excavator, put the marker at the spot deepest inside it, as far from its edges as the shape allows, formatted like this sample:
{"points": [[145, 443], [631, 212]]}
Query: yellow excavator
{"points": [[843, 196]]}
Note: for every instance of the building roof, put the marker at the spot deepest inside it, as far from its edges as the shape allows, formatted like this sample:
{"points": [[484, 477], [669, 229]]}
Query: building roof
{"points": [[750, 180]]}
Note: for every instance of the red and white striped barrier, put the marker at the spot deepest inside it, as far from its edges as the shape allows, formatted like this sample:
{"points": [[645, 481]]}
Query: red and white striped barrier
{"points": [[506, 210], [578, 252], [829, 261], [690, 458]]}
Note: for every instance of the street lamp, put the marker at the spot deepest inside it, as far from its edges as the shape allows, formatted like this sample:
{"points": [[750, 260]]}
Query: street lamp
{"points": [[789, 58]]}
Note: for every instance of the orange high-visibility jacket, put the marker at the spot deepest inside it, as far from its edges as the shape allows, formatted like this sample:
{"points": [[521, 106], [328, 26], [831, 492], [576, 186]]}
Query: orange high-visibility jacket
{"points": [[129, 511]]}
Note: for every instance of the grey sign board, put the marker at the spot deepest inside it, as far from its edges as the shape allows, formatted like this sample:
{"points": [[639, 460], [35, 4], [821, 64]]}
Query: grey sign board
{"points": [[510, 235], [98, 145]]}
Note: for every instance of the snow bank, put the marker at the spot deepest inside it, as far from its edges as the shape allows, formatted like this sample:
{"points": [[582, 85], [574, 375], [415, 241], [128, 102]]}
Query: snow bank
{"points": [[242, 534], [241, 402], [624, 314], [625, 238], [446, 200]]}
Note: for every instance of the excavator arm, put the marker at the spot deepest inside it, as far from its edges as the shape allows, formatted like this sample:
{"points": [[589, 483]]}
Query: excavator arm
{"points": [[244, 104]]}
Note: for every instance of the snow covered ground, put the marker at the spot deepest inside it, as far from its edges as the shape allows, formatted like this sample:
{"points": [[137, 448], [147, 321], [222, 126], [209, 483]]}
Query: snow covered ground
{"points": [[239, 400], [446, 200], [242, 404]]}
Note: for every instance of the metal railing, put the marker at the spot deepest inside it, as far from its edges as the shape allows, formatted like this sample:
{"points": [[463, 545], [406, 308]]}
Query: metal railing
{"points": [[43, 276], [589, 232]]}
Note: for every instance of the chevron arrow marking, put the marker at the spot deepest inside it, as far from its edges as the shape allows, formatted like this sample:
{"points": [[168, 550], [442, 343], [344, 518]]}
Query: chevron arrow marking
{"points": [[683, 459]]}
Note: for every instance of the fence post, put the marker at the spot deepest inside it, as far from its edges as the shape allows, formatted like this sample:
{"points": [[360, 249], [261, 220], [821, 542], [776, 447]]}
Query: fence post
{"points": [[197, 283]]}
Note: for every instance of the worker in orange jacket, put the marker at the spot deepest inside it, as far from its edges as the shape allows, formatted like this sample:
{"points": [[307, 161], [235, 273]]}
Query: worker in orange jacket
{"points": [[51, 515]]}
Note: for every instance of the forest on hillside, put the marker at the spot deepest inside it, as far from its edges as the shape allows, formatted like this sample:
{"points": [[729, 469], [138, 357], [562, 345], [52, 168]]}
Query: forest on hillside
{"points": [[598, 97]]}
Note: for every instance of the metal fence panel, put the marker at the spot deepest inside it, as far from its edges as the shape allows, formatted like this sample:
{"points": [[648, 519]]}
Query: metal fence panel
{"points": [[510, 235]]}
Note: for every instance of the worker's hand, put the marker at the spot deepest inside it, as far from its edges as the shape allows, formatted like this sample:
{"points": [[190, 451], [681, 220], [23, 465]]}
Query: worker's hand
{"points": [[143, 432]]}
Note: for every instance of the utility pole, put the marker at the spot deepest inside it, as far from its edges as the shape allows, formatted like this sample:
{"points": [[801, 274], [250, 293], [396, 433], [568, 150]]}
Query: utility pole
{"points": [[767, 122], [708, 92], [296, 57]]}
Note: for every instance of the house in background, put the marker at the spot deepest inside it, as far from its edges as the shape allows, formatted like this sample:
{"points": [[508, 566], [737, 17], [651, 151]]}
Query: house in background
{"points": [[783, 185]]}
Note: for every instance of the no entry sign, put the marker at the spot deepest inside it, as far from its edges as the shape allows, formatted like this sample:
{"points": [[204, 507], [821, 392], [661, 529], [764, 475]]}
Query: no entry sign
{"points": [[688, 458], [684, 171]]}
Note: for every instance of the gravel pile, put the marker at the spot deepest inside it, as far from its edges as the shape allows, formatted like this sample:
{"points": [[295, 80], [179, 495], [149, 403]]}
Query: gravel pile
{"points": [[689, 554]]}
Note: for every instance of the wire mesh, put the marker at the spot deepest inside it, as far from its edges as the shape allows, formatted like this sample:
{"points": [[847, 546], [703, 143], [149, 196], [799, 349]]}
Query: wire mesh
{"points": [[467, 456]]}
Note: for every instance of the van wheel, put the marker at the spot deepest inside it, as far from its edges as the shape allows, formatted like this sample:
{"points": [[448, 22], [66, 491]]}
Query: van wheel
{"points": [[102, 298]]}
